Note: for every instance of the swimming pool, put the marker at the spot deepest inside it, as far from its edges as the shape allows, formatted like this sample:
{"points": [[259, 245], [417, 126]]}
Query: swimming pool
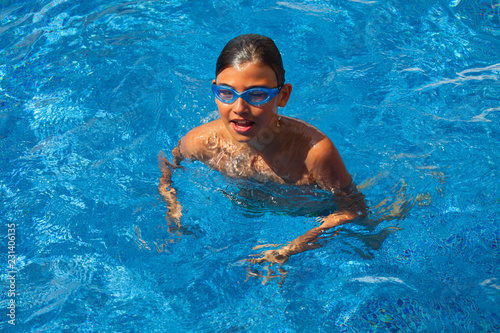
{"points": [[90, 92]]}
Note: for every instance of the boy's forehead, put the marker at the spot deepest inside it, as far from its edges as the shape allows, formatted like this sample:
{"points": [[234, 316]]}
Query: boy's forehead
{"points": [[249, 71]]}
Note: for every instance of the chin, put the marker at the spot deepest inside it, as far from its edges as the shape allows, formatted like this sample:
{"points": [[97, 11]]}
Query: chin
{"points": [[242, 138]]}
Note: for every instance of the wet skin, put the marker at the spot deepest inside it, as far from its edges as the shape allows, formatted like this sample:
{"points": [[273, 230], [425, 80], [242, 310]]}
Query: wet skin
{"points": [[249, 141], [254, 142]]}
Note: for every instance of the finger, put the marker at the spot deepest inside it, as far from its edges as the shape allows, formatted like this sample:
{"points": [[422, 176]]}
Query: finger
{"points": [[255, 261]]}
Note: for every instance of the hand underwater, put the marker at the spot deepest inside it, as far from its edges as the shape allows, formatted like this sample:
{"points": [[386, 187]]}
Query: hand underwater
{"points": [[279, 256]]}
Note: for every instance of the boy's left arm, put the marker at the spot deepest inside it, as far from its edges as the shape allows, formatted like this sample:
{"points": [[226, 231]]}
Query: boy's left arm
{"points": [[328, 169], [351, 207]]}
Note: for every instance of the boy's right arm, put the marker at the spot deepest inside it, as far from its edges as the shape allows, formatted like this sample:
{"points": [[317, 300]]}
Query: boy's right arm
{"points": [[165, 188], [192, 147]]}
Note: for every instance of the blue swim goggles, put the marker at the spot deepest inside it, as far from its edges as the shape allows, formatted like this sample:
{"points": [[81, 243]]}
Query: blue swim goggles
{"points": [[254, 96]]}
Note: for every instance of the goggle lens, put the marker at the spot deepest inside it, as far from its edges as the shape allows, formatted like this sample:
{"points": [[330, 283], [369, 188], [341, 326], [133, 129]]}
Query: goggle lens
{"points": [[254, 96]]}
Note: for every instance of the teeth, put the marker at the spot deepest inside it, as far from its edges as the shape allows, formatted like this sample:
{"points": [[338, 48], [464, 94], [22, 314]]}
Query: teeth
{"points": [[242, 122]]}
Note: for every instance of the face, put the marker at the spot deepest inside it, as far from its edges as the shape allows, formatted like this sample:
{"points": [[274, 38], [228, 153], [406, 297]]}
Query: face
{"points": [[242, 120]]}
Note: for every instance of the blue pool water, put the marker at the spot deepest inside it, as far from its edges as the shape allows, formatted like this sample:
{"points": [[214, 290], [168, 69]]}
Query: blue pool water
{"points": [[92, 91]]}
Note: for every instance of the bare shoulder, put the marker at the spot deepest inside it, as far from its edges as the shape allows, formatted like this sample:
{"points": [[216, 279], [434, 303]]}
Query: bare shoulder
{"points": [[195, 144], [322, 158], [325, 163], [303, 129]]}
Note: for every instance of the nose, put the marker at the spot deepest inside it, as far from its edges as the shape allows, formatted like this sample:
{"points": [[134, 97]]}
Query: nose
{"points": [[240, 106]]}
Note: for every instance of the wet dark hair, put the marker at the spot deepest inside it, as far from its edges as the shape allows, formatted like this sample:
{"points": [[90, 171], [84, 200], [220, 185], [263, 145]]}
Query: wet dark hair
{"points": [[251, 48]]}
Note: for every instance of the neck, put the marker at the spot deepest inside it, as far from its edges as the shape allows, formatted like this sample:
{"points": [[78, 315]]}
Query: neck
{"points": [[267, 141]]}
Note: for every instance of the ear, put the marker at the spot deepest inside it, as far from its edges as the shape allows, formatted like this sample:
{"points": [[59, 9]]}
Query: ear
{"points": [[285, 92]]}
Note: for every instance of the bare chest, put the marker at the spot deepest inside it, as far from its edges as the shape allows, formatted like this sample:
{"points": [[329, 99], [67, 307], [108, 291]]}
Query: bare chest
{"points": [[245, 164]]}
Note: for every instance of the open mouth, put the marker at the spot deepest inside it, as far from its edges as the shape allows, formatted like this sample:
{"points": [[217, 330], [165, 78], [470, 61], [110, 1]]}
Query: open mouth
{"points": [[242, 125]]}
